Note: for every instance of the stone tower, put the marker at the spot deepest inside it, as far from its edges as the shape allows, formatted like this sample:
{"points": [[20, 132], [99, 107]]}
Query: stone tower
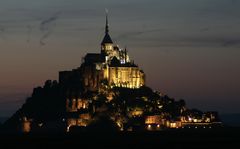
{"points": [[107, 43]]}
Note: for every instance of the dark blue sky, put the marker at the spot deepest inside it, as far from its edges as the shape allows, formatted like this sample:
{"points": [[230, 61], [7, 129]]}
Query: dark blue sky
{"points": [[188, 49]]}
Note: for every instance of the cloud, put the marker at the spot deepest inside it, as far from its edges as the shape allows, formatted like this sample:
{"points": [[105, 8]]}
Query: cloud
{"points": [[47, 26], [231, 42], [223, 41], [136, 33], [190, 41]]}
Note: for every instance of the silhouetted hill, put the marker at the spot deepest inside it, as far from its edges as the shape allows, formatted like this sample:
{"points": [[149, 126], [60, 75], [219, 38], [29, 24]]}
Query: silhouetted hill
{"points": [[45, 104], [109, 109]]}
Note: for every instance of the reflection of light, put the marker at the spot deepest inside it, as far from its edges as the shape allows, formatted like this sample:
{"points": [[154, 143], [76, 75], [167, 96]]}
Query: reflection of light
{"points": [[158, 125]]}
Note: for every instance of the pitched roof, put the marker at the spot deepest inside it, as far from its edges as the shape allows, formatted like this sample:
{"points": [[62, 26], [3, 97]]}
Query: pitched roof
{"points": [[106, 39]]}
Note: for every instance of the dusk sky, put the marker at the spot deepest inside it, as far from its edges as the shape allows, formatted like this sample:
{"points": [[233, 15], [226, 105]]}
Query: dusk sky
{"points": [[189, 49]]}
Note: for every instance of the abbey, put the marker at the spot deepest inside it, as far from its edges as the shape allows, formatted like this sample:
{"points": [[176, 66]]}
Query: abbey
{"points": [[107, 91], [111, 67]]}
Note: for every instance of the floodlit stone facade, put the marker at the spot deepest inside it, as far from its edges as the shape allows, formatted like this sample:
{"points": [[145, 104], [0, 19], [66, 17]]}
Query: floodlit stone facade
{"points": [[111, 67]]}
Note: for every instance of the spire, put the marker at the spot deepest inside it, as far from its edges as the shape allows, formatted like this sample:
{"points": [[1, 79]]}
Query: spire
{"points": [[125, 56], [107, 38], [106, 27]]}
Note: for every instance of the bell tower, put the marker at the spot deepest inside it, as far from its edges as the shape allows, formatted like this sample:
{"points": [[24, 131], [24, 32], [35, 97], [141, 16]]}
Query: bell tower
{"points": [[107, 43]]}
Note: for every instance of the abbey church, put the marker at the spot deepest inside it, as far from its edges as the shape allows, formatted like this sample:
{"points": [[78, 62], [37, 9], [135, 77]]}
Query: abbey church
{"points": [[112, 66]]}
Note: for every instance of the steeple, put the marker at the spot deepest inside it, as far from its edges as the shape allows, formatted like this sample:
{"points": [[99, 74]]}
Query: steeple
{"points": [[107, 39], [106, 27], [125, 54]]}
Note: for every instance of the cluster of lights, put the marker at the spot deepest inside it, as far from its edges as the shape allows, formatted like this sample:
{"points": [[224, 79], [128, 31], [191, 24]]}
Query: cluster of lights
{"points": [[150, 126], [197, 127]]}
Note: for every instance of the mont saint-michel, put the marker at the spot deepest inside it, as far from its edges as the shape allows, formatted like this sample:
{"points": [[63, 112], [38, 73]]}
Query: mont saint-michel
{"points": [[107, 92]]}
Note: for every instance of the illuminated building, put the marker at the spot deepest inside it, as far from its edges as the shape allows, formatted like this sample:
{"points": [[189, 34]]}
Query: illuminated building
{"points": [[111, 67], [207, 120], [109, 88], [154, 122], [154, 119], [83, 120], [101, 76], [26, 124], [74, 105], [174, 124]]}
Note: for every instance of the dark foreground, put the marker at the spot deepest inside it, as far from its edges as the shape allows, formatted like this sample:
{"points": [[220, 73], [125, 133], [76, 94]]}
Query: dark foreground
{"points": [[227, 138]]}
